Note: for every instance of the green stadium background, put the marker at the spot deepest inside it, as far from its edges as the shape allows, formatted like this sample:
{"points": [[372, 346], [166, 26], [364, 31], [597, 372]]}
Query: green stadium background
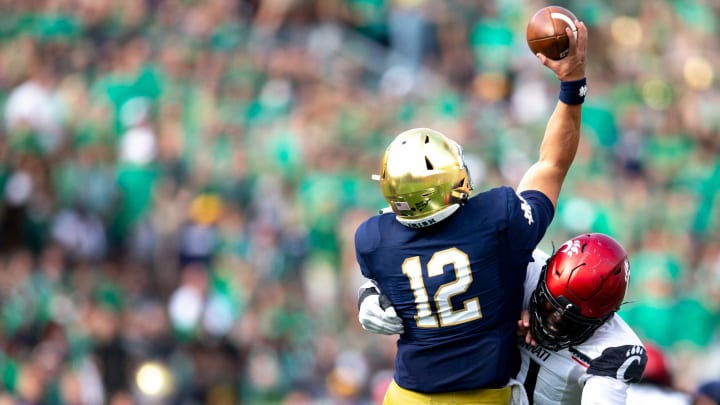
{"points": [[181, 181]]}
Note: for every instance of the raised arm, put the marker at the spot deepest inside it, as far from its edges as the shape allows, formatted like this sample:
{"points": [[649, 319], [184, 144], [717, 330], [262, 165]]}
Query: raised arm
{"points": [[562, 134]]}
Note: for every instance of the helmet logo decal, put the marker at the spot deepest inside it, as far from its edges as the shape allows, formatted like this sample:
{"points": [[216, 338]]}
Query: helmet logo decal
{"points": [[420, 205], [570, 248], [402, 205]]}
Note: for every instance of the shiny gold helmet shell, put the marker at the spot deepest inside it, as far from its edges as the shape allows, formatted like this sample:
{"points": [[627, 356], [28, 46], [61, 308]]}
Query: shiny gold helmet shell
{"points": [[423, 177]]}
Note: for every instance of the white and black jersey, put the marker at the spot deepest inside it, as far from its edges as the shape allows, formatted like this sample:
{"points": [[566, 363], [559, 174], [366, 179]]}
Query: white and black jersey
{"points": [[597, 371]]}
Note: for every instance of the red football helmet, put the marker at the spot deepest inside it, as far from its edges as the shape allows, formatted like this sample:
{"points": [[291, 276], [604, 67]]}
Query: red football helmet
{"points": [[582, 285]]}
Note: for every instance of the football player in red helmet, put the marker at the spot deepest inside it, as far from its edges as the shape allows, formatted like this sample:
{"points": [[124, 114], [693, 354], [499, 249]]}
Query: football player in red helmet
{"points": [[571, 337], [577, 344], [580, 288]]}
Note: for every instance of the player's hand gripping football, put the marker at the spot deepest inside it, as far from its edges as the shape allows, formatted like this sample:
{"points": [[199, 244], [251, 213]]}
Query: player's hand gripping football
{"points": [[571, 67], [376, 314]]}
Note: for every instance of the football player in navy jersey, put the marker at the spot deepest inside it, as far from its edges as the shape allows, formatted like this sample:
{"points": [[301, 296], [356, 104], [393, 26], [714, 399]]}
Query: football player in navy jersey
{"points": [[452, 264], [575, 348]]}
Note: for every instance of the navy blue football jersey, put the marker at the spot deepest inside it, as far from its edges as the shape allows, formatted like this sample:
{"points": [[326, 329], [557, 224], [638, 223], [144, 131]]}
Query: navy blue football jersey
{"points": [[458, 287]]}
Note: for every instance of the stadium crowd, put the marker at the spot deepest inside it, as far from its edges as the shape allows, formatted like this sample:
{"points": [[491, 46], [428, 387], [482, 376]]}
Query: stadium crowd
{"points": [[181, 181]]}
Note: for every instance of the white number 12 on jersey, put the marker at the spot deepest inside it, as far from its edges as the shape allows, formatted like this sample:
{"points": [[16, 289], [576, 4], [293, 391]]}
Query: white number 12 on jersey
{"points": [[446, 315]]}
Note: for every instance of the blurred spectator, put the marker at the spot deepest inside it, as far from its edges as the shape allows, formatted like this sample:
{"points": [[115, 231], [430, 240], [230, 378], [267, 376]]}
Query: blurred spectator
{"points": [[33, 114], [707, 393], [198, 236], [80, 232]]}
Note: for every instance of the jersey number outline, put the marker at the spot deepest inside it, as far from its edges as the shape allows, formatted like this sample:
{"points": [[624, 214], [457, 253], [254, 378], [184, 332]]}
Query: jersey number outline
{"points": [[446, 315]]}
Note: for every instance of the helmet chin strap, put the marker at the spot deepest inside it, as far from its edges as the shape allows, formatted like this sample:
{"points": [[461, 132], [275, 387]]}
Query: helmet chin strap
{"points": [[431, 219]]}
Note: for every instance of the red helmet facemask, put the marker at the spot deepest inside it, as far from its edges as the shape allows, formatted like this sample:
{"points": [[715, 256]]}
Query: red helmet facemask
{"points": [[582, 285]]}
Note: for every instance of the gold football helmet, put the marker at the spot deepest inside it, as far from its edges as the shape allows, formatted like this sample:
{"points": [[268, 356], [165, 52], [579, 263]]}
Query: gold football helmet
{"points": [[423, 177]]}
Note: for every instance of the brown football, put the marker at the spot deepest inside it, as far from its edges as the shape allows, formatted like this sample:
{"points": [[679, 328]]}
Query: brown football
{"points": [[546, 31]]}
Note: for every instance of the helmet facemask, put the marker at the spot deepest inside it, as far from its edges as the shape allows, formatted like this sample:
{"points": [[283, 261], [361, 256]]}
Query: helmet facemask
{"points": [[556, 323]]}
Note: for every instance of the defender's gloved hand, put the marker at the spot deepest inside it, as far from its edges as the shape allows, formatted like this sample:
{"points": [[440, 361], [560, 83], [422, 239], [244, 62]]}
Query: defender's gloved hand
{"points": [[376, 313]]}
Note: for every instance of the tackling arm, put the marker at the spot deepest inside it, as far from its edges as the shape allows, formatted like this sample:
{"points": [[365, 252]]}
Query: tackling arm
{"points": [[375, 311]]}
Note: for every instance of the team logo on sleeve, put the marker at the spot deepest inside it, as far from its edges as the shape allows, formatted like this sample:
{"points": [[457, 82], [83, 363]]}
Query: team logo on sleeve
{"points": [[625, 363], [633, 356], [527, 210]]}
